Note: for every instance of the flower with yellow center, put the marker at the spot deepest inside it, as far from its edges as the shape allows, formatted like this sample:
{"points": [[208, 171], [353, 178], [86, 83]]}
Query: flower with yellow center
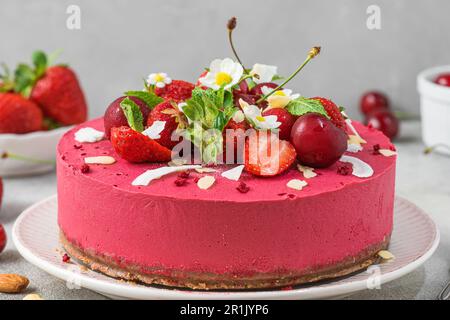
{"points": [[159, 79], [254, 115], [263, 73], [222, 74], [280, 98]]}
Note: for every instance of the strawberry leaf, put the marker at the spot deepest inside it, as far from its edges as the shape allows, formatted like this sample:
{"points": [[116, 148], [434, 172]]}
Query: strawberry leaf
{"points": [[24, 79], [301, 106], [133, 114], [150, 99], [40, 63]]}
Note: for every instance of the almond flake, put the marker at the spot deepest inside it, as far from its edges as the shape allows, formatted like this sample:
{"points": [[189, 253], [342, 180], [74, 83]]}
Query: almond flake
{"points": [[205, 170], [100, 160], [89, 135], [360, 168], [177, 162], [356, 139], [206, 182], [154, 131], [308, 172], [387, 152], [297, 184], [352, 128], [233, 174], [32, 296], [150, 175], [385, 255]]}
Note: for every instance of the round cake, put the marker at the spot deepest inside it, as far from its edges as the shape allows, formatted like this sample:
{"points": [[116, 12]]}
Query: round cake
{"points": [[257, 232]]}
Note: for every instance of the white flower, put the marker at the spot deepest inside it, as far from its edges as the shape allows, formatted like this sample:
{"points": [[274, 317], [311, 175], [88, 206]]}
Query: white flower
{"points": [[265, 72], [254, 115], [238, 116], [280, 98], [158, 79], [222, 73]]}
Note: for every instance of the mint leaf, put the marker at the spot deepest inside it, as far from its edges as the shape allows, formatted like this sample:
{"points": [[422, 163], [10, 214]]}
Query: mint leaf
{"points": [[150, 99], [301, 106], [40, 63], [133, 114]]}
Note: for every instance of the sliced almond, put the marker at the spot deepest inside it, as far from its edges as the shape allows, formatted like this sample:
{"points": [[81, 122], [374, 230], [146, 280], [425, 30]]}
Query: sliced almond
{"points": [[308, 172], [387, 152], [100, 160], [385, 255], [297, 184], [206, 182], [32, 296], [354, 139], [205, 170], [177, 162], [13, 283]]}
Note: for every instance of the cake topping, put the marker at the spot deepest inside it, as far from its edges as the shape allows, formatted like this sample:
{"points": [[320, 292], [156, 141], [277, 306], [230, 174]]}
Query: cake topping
{"points": [[158, 80], [89, 135], [360, 168], [100, 160], [154, 131], [345, 169], [308, 172], [150, 175], [179, 182], [206, 182], [85, 168], [386, 255], [297, 184], [387, 152], [222, 74], [243, 187], [263, 73], [233, 174], [205, 170]]}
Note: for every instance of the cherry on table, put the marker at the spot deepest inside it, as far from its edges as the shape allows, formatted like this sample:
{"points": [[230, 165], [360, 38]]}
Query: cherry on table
{"points": [[385, 121], [372, 101]]}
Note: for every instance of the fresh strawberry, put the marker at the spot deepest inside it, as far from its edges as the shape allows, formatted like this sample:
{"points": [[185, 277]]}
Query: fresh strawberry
{"points": [[198, 83], [167, 111], [263, 159], [287, 121], [233, 137], [135, 147], [18, 115], [60, 96], [333, 112], [177, 91]]}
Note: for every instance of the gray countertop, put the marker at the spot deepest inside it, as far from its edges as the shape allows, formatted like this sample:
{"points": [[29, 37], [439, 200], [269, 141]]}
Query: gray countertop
{"points": [[421, 179]]}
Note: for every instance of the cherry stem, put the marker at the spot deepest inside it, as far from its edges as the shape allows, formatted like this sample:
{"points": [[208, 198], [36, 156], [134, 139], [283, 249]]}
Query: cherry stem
{"points": [[314, 52], [231, 27], [429, 150], [6, 155], [247, 76]]}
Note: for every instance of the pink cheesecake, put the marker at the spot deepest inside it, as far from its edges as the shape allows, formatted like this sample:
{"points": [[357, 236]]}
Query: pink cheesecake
{"points": [[226, 237]]}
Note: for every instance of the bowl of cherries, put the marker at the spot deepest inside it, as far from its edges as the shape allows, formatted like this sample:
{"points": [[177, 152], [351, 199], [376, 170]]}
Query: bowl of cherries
{"points": [[434, 89]]}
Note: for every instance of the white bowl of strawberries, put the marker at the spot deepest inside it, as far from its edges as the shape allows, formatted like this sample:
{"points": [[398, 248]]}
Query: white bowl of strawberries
{"points": [[38, 103]]}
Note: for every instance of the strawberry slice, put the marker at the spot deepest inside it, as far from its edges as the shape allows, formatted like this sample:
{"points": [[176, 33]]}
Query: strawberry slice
{"points": [[333, 112], [136, 147], [177, 91], [266, 155]]}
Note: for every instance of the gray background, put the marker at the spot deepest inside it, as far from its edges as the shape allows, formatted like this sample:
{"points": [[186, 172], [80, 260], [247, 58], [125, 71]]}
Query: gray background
{"points": [[120, 42]]}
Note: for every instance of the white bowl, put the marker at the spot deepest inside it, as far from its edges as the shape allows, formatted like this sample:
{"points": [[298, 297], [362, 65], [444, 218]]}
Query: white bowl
{"points": [[435, 109], [40, 145]]}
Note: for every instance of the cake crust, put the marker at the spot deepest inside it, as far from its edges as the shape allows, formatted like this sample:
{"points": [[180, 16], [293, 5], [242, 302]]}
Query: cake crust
{"points": [[205, 281]]}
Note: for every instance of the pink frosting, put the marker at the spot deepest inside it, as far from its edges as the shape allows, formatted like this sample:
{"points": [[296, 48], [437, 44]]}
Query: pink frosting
{"points": [[271, 228]]}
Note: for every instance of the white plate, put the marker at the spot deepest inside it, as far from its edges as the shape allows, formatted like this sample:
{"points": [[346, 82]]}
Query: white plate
{"points": [[40, 145], [414, 240]]}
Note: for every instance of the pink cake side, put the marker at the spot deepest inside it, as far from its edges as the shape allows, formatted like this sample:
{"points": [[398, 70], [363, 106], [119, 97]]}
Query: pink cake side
{"points": [[271, 231]]}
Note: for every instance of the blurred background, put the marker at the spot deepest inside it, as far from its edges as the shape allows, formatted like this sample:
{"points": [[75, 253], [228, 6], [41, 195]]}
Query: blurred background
{"points": [[121, 42]]}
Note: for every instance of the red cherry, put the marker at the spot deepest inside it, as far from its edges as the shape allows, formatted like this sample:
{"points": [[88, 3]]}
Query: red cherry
{"points": [[443, 79], [2, 238], [372, 101], [114, 116], [318, 142], [257, 90], [287, 121], [384, 121]]}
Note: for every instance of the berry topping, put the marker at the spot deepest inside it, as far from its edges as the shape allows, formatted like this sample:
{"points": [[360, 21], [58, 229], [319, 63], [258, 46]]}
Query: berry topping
{"points": [[85, 168], [133, 146], [65, 258], [243, 187], [376, 149], [179, 182], [177, 90], [333, 112], [266, 155], [318, 142], [345, 168], [184, 175]]}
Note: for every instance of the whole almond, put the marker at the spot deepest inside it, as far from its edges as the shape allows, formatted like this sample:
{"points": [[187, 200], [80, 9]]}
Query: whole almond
{"points": [[13, 283]]}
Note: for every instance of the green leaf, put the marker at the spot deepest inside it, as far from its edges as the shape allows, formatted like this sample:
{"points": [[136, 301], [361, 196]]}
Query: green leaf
{"points": [[133, 114], [150, 99], [40, 63], [301, 106], [51, 124], [277, 77], [24, 77]]}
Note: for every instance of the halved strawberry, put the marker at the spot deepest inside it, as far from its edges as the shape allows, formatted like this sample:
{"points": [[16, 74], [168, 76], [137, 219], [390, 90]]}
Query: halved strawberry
{"points": [[178, 91], [266, 155], [168, 112], [133, 146], [333, 112]]}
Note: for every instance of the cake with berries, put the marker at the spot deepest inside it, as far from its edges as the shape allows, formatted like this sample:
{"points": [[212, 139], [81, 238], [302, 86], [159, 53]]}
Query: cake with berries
{"points": [[232, 183]]}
